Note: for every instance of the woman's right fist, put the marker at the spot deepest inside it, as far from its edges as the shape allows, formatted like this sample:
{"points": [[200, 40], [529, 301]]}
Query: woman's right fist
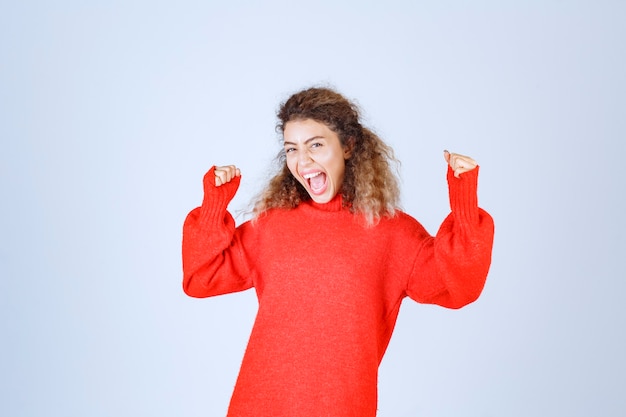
{"points": [[225, 174]]}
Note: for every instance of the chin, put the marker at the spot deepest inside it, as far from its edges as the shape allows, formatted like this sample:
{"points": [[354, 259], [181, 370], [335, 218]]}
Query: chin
{"points": [[322, 199]]}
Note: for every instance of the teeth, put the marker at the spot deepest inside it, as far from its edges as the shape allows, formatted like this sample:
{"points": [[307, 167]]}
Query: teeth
{"points": [[309, 176]]}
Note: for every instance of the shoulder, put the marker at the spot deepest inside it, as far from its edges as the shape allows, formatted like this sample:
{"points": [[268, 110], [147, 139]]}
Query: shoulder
{"points": [[401, 224], [401, 218], [268, 219]]}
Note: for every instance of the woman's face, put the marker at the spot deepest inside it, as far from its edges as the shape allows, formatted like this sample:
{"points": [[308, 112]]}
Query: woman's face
{"points": [[315, 158]]}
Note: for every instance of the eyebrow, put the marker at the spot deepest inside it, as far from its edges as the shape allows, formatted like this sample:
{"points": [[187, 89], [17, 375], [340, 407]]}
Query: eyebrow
{"points": [[305, 142]]}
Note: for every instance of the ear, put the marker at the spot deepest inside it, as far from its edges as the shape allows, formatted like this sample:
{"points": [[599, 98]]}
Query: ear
{"points": [[348, 148]]}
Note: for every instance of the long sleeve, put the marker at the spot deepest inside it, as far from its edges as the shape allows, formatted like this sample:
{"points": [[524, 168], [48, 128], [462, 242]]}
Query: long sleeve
{"points": [[451, 268], [214, 262]]}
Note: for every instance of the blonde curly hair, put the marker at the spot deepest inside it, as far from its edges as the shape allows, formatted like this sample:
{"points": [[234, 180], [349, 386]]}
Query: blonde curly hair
{"points": [[369, 186]]}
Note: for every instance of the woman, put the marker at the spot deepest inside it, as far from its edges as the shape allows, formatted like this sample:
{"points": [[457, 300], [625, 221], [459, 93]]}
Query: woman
{"points": [[331, 259]]}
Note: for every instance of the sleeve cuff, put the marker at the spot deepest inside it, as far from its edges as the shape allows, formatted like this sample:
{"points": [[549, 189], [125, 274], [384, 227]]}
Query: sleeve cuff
{"points": [[463, 193], [216, 199]]}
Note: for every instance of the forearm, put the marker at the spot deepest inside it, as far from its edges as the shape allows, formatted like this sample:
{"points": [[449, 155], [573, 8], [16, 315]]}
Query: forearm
{"points": [[464, 241], [451, 268], [212, 257]]}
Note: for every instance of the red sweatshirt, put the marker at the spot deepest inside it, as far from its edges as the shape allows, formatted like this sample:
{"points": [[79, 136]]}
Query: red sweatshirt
{"points": [[329, 291]]}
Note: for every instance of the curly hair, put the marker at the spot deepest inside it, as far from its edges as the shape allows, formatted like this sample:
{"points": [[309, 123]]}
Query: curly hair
{"points": [[369, 186]]}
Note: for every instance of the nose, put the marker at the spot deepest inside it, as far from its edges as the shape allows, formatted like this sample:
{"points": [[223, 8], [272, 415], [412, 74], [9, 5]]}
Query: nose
{"points": [[304, 158]]}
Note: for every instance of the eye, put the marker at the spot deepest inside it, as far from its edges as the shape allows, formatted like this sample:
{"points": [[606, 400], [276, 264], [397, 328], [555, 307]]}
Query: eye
{"points": [[316, 145], [289, 150]]}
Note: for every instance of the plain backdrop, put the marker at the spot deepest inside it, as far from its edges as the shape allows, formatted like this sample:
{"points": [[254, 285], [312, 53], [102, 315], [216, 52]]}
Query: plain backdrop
{"points": [[112, 111]]}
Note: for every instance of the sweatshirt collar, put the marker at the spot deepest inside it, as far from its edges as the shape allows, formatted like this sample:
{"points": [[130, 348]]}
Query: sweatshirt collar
{"points": [[336, 204]]}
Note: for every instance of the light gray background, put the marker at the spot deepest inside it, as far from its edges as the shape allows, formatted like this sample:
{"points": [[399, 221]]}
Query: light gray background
{"points": [[111, 112]]}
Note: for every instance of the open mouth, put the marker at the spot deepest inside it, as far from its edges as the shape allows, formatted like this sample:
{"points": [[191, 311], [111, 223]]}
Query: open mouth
{"points": [[317, 182]]}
